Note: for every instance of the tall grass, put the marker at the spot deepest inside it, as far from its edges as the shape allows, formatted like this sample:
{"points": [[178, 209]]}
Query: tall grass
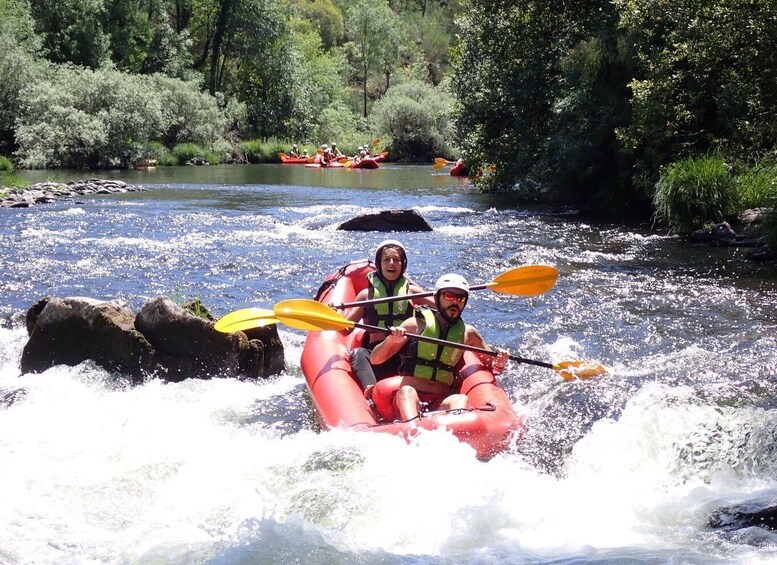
{"points": [[695, 192]]}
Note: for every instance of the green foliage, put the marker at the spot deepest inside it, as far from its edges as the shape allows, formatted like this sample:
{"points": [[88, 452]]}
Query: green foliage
{"points": [[757, 185], [706, 79], [257, 151], [5, 164], [87, 119], [325, 17], [376, 34], [19, 48], [185, 152], [72, 31], [334, 123], [9, 180], [416, 116], [694, 192]]}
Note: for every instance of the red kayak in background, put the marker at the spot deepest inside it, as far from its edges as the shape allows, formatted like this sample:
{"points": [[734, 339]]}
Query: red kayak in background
{"points": [[366, 163], [294, 160], [459, 169], [489, 423]]}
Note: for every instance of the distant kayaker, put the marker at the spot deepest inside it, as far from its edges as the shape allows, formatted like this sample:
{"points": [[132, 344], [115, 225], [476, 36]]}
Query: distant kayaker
{"points": [[305, 154], [388, 280], [294, 152], [326, 154], [432, 366], [335, 151]]}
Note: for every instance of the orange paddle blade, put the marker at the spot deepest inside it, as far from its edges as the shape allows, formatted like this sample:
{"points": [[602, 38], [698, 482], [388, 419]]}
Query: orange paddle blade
{"points": [[572, 370], [529, 280]]}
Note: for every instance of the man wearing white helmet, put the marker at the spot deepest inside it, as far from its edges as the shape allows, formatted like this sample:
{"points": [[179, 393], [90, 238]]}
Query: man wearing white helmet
{"points": [[335, 151], [388, 279], [431, 367], [294, 151]]}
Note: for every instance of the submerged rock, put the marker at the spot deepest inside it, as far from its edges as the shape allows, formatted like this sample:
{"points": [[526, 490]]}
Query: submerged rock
{"points": [[744, 516], [388, 220]]}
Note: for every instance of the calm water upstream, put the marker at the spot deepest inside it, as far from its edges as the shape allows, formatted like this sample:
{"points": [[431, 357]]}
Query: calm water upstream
{"points": [[627, 467]]}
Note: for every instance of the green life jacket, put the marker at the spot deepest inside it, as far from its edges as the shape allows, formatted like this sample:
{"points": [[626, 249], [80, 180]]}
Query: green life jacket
{"points": [[387, 314], [429, 360]]}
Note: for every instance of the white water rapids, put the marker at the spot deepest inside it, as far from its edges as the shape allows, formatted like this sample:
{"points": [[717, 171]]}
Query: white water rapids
{"points": [[627, 468]]}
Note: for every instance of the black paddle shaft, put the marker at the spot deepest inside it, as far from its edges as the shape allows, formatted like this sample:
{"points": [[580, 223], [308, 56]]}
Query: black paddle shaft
{"points": [[395, 298], [455, 345]]}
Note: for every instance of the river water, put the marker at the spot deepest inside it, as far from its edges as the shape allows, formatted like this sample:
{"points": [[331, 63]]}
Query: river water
{"points": [[627, 467]]}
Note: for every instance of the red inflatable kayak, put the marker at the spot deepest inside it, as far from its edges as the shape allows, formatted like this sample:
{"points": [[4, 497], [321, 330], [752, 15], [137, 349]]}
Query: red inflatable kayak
{"points": [[459, 169], [366, 163], [489, 424]]}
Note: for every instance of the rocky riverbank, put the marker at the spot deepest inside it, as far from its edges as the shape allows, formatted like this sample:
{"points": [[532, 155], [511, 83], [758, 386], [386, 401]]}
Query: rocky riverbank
{"points": [[45, 192]]}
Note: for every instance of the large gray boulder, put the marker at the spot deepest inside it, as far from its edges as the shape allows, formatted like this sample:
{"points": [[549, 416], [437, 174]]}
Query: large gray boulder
{"points": [[388, 220], [163, 340], [72, 330], [188, 345]]}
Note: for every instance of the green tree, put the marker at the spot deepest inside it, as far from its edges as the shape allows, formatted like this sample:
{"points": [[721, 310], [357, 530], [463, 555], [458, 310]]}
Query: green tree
{"points": [[72, 31], [707, 80], [373, 28], [19, 51], [325, 17], [417, 118]]}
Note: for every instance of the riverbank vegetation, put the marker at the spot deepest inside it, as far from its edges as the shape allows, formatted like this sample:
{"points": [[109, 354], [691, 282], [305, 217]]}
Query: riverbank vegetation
{"points": [[626, 109]]}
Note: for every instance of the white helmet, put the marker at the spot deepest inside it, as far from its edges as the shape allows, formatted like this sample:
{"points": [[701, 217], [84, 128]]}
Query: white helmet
{"points": [[452, 280], [334, 144], [392, 243], [324, 146]]}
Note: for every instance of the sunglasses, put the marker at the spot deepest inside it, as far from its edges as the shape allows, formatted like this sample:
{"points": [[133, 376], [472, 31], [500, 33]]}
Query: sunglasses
{"points": [[453, 297]]}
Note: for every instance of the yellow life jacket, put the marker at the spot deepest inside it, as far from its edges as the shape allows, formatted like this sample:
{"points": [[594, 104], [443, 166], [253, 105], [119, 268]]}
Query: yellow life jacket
{"points": [[387, 314], [429, 360]]}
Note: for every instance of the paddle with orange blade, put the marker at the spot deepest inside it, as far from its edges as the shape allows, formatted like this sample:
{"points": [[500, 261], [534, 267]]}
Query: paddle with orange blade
{"points": [[529, 280], [309, 315], [440, 162], [246, 319]]}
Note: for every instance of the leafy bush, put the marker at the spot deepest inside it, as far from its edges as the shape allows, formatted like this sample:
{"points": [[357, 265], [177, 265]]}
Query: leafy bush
{"points": [[694, 192], [185, 152], [757, 186], [417, 118], [79, 118], [5, 164]]}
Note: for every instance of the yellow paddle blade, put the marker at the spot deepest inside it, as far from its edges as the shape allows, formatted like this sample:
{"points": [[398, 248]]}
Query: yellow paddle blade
{"points": [[383, 154], [375, 141], [572, 370], [309, 315], [529, 280], [440, 162], [246, 319], [347, 164]]}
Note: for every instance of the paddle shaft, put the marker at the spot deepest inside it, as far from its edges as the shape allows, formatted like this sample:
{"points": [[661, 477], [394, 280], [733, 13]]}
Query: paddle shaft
{"points": [[454, 345], [400, 297]]}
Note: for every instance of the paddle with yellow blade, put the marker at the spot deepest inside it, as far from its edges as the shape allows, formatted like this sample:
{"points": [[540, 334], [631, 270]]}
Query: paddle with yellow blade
{"points": [[309, 315], [529, 280], [440, 162], [246, 319]]}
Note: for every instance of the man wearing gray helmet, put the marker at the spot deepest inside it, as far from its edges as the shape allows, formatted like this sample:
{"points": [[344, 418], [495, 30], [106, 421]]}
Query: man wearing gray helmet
{"points": [[389, 279], [431, 367]]}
